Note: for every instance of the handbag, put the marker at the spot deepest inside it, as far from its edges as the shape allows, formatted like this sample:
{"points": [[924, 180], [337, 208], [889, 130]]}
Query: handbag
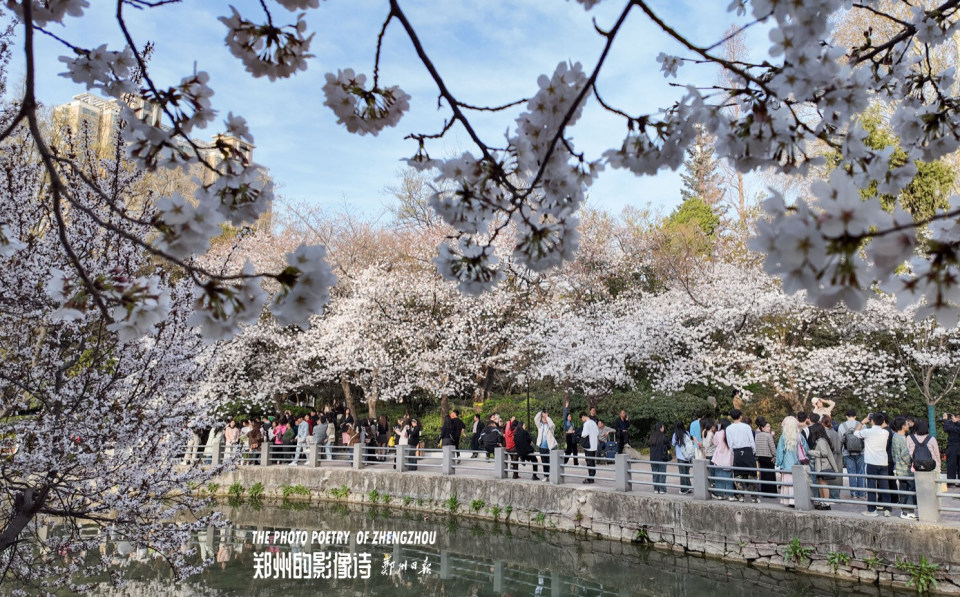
{"points": [[802, 457], [584, 442]]}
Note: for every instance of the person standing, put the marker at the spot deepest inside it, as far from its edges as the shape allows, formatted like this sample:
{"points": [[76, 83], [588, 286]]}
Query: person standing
{"points": [[524, 447], [592, 433], [836, 482], [853, 454], [413, 439], [659, 456], [902, 468], [722, 460], [788, 456], [875, 458], [546, 441], [685, 449], [231, 436], [623, 431], [824, 465], [951, 425], [697, 434], [476, 430], [510, 445], [570, 435], [301, 440], [766, 454], [744, 447]]}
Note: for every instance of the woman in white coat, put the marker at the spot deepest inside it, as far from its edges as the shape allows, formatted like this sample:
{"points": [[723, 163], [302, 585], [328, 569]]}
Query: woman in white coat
{"points": [[546, 441]]}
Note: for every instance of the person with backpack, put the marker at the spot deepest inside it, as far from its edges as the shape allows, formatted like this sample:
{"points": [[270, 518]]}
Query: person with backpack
{"points": [[853, 454], [923, 448], [903, 468], [659, 456], [685, 449]]}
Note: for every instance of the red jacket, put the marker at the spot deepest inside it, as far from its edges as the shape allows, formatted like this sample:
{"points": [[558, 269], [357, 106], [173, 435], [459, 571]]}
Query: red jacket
{"points": [[508, 434]]}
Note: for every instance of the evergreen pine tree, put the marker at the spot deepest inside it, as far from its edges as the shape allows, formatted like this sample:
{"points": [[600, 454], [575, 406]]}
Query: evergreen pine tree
{"points": [[701, 178]]}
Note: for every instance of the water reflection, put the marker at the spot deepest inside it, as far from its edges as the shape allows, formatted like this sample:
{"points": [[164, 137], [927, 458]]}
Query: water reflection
{"points": [[470, 558]]}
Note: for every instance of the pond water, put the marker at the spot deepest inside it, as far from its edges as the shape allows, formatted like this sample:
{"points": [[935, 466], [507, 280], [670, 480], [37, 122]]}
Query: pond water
{"points": [[461, 557]]}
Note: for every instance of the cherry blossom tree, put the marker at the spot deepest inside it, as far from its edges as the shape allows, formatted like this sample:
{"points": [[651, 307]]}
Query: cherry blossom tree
{"points": [[96, 403], [801, 97]]}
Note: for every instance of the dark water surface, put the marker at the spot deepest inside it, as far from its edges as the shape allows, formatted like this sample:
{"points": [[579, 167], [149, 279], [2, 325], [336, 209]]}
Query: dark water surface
{"points": [[469, 558]]}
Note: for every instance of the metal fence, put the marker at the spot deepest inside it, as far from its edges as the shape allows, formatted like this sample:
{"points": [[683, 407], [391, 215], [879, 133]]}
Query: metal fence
{"points": [[923, 495]]}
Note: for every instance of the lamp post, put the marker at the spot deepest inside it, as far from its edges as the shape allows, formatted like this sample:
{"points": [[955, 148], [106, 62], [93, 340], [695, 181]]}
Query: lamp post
{"points": [[528, 403]]}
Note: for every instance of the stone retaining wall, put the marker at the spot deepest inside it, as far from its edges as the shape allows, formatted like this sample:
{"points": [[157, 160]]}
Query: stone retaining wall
{"points": [[747, 533]]}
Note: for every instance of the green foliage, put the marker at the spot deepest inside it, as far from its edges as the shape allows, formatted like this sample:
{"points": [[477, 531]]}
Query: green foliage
{"points": [[213, 488], [407, 500], [256, 490], [452, 503], [922, 574], [419, 501], [797, 552], [340, 493], [540, 518], [236, 490], [507, 511], [496, 511], [288, 490], [837, 559], [477, 505], [873, 562], [385, 498], [373, 495], [693, 212], [642, 536], [928, 191]]}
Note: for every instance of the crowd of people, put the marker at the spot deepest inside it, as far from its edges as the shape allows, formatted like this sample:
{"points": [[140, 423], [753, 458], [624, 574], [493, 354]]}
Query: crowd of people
{"points": [[878, 453]]}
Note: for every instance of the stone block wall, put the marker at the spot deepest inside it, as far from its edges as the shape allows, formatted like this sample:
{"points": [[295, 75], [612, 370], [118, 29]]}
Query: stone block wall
{"points": [[733, 531]]}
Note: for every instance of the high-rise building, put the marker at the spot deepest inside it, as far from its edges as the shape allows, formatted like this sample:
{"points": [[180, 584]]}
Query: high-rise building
{"points": [[95, 123]]}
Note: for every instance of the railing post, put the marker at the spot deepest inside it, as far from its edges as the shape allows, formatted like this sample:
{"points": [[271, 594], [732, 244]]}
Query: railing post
{"points": [[215, 459], [928, 504], [622, 469], [556, 471], [265, 453], [358, 456], [700, 479], [446, 461], [499, 459], [401, 458], [312, 449], [802, 492]]}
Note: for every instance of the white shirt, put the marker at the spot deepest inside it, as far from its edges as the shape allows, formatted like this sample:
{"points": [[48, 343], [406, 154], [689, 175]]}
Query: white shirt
{"points": [[740, 435], [874, 445], [591, 430]]}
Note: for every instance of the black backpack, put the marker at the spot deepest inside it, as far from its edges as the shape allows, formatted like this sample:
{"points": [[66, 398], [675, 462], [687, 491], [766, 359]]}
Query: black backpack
{"points": [[922, 458], [852, 443]]}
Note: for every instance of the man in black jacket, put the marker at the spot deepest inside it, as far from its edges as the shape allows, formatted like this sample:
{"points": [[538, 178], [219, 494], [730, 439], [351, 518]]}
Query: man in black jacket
{"points": [[524, 444], [491, 438], [951, 425], [451, 431]]}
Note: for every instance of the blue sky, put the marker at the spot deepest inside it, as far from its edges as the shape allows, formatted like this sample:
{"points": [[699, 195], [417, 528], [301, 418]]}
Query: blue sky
{"points": [[488, 51]]}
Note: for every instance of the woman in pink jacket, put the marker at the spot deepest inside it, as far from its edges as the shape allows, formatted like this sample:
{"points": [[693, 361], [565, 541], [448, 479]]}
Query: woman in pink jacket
{"points": [[722, 461]]}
